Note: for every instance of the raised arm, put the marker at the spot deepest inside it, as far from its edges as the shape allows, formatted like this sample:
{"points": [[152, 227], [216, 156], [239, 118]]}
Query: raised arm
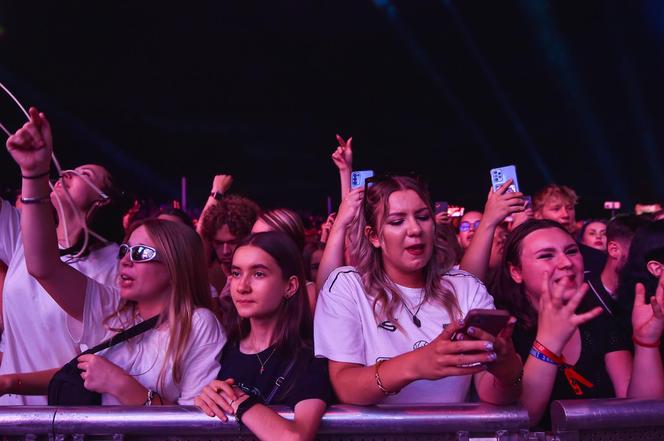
{"points": [[499, 205], [31, 147], [343, 159], [647, 379], [220, 185], [333, 254]]}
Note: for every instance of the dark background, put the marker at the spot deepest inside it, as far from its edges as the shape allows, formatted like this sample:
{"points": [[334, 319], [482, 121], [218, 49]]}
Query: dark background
{"points": [[569, 91]]}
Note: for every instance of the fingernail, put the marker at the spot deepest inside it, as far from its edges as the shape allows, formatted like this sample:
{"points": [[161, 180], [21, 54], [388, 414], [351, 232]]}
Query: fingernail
{"points": [[471, 330], [460, 322], [460, 337], [489, 346], [492, 355]]}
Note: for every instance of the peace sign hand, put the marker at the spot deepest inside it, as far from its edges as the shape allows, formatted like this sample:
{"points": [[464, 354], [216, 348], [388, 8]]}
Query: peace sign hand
{"points": [[343, 155]]}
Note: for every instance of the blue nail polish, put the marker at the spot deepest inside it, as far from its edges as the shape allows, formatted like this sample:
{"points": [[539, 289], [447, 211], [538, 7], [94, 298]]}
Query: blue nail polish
{"points": [[471, 330], [493, 355], [489, 346]]}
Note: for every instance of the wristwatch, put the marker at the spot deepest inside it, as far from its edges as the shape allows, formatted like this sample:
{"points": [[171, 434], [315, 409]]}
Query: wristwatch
{"points": [[218, 196]]}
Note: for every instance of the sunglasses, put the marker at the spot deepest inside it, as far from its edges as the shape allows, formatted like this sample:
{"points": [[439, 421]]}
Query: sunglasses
{"points": [[137, 253], [465, 226]]}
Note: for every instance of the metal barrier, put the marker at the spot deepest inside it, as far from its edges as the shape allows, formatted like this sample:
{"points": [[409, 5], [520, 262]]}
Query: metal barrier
{"points": [[458, 422], [608, 420]]}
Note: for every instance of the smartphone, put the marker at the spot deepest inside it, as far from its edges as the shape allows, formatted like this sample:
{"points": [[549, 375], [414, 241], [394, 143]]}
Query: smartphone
{"points": [[357, 178], [501, 175], [612, 205], [488, 320], [441, 207], [455, 211]]}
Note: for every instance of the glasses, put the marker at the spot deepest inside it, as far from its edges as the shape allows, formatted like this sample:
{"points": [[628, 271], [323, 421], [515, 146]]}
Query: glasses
{"points": [[137, 253], [466, 226]]}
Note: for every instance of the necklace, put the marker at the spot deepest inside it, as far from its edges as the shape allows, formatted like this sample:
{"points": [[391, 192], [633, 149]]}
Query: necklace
{"points": [[416, 320], [263, 363]]}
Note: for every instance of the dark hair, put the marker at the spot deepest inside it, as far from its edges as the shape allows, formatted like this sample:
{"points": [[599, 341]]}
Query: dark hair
{"points": [[582, 230], [237, 212], [307, 255], [176, 212], [294, 325], [624, 226], [506, 292], [647, 239]]}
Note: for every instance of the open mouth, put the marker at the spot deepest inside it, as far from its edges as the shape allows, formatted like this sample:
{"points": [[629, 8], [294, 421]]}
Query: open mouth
{"points": [[415, 250], [125, 280]]}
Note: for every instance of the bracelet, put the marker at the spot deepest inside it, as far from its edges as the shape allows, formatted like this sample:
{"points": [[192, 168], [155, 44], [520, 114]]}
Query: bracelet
{"points": [[41, 175], [244, 406], [644, 344], [379, 382], [574, 378], [148, 402], [216, 195], [36, 200]]}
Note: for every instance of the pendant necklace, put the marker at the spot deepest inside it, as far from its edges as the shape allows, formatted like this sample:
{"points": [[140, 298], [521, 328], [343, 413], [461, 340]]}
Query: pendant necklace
{"points": [[416, 320], [263, 363]]}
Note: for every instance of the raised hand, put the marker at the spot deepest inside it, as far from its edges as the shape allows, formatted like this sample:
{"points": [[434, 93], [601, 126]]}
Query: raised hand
{"points": [[444, 357], [327, 227], [349, 208], [221, 183], [32, 145], [557, 320], [648, 320], [501, 203], [343, 155]]}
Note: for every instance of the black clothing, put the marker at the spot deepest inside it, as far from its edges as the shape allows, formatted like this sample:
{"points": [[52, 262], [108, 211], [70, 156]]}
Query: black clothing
{"points": [[598, 337], [307, 379], [593, 259]]}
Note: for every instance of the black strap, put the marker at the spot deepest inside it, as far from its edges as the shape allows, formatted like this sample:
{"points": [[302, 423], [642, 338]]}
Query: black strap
{"points": [[135, 330], [280, 380]]}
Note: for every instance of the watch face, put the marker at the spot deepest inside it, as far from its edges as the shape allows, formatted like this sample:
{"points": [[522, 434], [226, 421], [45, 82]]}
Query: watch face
{"points": [[218, 196]]}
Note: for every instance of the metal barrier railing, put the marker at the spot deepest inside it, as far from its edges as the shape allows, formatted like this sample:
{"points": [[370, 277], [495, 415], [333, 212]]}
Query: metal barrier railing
{"points": [[608, 420], [460, 422]]}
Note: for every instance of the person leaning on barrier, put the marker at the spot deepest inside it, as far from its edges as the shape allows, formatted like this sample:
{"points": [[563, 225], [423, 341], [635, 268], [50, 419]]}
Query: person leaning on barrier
{"points": [[568, 354], [161, 273], [386, 325], [269, 358]]}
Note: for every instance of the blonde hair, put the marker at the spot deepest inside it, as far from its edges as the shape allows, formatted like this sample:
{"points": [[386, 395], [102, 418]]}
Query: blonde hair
{"points": [[551, 191], [181, 250], [368, 260], [287, 221]]}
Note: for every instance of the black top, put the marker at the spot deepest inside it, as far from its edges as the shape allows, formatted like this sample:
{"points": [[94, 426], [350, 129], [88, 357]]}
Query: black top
{"points": [[307, 379], [593, 259], [598, 337]]}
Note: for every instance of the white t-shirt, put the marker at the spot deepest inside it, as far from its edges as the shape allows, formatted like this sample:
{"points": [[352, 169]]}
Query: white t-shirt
{"points": [[346, 330], [38, 334], [144, 356]]}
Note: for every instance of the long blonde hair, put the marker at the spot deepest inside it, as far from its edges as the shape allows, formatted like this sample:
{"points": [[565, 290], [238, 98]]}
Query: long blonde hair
{"points": [[181, 250], [369, 260]]}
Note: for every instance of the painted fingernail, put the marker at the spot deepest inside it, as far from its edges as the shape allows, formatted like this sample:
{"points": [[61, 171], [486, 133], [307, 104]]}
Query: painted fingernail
{"points": [[489, 346], [460, 337], [460, 322], [471, 330], [492, 355]]}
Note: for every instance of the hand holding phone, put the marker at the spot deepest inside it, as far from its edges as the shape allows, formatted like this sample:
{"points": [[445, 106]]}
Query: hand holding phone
{"points": [[357, 178], [501, 175]]}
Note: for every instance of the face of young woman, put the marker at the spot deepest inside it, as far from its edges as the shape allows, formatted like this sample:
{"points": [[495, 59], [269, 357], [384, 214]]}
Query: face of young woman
{"points": [[553, 251], [467, 227], [595, 236], [144, 281], [407, 235], [82, 193], [257, 284]]}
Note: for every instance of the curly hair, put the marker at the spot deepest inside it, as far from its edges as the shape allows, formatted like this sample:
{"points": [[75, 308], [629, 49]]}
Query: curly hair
{"points": [[238, 212], [563, 192]]}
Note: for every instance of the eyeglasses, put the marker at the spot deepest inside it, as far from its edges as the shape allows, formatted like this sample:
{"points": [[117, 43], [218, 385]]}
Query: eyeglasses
{"points": [[466, 226], [137, 253]]}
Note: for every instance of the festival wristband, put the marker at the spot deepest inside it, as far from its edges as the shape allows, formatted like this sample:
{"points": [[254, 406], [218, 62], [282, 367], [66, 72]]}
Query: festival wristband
{"points": [[543, 353], [644, 344]]}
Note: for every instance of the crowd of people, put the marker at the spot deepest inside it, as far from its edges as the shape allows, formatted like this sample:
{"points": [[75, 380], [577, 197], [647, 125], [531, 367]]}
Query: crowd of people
{"points": [[244, 308]]}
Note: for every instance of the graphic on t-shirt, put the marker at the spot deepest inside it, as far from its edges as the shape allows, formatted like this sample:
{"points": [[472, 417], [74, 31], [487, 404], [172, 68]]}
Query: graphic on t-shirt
{"points": [[420, 344], [388, 326]]}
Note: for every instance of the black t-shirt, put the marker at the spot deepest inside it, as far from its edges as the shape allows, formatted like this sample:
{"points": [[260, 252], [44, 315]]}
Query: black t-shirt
{"points": [[307, 379], [593, 259], [598, 337]]}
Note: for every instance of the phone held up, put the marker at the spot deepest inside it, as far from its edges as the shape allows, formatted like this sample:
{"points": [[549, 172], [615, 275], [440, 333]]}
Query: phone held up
{"points": [[501, 175], [358, 177]]}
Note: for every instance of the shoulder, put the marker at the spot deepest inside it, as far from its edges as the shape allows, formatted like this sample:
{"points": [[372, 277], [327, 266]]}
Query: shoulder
{"points": [[462, 279], [205, 325], [343, 277]]}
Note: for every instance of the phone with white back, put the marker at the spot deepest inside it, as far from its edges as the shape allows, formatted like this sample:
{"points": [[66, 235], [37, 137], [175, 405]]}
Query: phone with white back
{"points": [[501, 175], [358, 177]]}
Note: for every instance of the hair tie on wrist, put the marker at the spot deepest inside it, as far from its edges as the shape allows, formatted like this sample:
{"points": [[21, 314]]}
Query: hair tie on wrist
{"points": [[41, 175], [644, 344]]}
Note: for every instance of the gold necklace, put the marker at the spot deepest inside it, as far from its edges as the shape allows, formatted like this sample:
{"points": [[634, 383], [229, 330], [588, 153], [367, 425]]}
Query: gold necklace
{"points": [[263, 363]]}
